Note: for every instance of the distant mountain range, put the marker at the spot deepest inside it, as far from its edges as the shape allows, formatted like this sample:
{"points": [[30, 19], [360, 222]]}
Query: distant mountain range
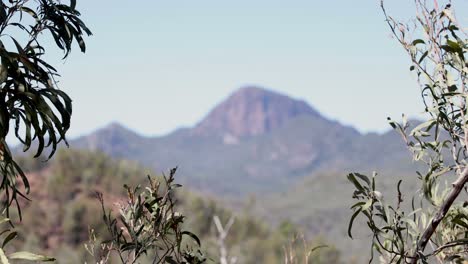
{"points": [[255, 141]]}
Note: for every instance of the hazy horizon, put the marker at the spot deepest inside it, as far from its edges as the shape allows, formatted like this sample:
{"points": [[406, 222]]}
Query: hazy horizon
{"points": [[116, 122]]}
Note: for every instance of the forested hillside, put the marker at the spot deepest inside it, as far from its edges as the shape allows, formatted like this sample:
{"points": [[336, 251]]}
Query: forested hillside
{"points": [[64, 207]]}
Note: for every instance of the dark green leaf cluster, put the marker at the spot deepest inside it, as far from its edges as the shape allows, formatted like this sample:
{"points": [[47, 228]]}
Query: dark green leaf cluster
{"points": [[29, 98], [390, 228]]}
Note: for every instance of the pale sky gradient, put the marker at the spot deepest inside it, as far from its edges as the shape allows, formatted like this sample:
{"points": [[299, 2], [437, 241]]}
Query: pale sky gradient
{"points": [[157, 65]]}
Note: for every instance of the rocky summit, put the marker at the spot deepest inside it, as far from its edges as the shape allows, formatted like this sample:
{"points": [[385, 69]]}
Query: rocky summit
{"points": [[252, 111]]}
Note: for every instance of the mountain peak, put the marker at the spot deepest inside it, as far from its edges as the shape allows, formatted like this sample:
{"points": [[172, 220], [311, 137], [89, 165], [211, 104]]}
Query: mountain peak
{"points": [[252, 111], [115, 129], [113, 137], [252, 90], [115, 126]]}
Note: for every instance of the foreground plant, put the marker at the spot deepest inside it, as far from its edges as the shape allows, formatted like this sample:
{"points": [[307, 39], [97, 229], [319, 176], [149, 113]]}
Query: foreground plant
{"points": [[437, 227], [30, 102], [149, 226], [8, 236], [29, 98]]}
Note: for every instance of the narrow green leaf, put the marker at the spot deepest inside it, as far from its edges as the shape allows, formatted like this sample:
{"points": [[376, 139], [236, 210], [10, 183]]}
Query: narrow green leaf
{"points": [[418, 41], [192, 235], [423, 56], [73, 4], [363, 177], [351, 221], [30, 256], [10, 237], [352, 179], [317, 247]]}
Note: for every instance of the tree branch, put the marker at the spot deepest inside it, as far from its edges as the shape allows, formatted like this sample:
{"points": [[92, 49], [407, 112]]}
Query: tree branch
{"points": [[457, 186]]}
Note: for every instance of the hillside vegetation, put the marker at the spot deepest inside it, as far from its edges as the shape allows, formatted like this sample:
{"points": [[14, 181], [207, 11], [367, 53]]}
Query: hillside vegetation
{"points": [[64, 207], [320, 204]]}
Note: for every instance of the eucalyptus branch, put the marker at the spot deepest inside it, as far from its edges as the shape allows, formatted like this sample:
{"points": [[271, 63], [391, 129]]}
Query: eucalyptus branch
{"points": [[448, 245], [438, 58], [457, 186], [149, 223]]}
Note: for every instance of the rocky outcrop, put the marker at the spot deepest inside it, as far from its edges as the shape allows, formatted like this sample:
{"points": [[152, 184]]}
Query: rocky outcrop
{"points": [[252, 111]]}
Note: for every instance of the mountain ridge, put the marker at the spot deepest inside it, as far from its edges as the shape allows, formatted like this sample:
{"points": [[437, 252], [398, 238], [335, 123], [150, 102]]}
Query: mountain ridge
{"points": [[226, 158]]}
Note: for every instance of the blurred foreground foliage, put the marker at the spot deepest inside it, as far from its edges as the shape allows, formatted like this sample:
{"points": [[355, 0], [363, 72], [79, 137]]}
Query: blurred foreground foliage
{"points": [[436, 226]]}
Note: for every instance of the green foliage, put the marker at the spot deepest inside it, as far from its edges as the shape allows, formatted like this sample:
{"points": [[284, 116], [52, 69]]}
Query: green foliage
{"points": [[64, 205], [250, 240], [8, 236], [437, 219], [30, 101], [74, 170], [79, 215], [29, 98], [149, 224]]}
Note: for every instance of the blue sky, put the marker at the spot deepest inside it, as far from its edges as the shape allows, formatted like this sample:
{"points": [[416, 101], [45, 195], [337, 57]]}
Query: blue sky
{"points": [[157, 65]]}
